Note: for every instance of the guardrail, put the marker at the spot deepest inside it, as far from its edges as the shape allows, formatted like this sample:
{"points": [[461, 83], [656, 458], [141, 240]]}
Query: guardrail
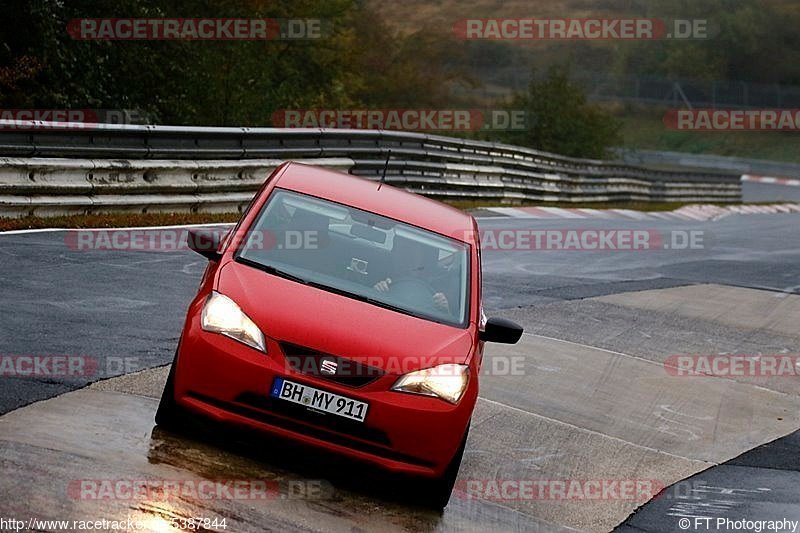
{"points": [[58, 168], [721, 163]]}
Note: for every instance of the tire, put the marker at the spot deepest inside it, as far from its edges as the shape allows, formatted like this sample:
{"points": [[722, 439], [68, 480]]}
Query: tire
{"points": [[169, 413], [437, 492]]}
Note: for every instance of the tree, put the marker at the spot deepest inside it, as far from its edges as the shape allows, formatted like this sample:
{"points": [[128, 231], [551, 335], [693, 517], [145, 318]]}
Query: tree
{"points": [[560, 120], [358, 63]]}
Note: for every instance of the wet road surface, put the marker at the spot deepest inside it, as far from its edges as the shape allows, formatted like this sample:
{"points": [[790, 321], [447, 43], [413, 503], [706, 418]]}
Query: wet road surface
{"points": [[594, 400]]}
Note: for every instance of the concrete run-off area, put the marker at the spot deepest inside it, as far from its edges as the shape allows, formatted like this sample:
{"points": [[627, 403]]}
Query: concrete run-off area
{"points": [[591, 404]]}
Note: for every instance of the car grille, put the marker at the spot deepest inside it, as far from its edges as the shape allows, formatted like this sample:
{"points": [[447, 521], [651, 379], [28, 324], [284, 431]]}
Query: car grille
{"points": [[300, 412], [297, 418], [339, 369]]}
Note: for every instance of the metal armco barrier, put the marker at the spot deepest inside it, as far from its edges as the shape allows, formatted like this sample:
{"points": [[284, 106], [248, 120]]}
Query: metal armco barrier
{"points": [[56, 168]]}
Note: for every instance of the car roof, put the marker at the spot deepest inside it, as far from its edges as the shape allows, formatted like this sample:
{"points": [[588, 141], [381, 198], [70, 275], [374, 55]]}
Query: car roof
{"points": [[388, 201]]}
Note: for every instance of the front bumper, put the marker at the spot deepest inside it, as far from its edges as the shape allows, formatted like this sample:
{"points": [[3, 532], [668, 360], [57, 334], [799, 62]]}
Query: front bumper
{"points": [[224, 380]]}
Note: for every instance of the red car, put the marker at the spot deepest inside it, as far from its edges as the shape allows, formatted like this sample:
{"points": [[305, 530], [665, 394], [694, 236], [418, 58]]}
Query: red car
{"points": [[343, 314]]}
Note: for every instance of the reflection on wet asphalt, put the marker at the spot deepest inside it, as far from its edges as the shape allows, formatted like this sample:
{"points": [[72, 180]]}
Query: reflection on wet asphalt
{"points": [[71, 458], [574, 412]]}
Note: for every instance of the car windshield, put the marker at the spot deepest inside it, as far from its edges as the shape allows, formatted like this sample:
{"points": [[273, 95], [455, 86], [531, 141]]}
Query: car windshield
{"points": [[361, 255]]}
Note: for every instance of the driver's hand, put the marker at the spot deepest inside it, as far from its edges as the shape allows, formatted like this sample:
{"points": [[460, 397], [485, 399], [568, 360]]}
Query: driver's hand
{"points": [[383, 286], [441, 303]]}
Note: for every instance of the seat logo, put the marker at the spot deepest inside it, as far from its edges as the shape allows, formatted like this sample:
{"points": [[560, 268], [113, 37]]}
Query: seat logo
{"points": [[328, 366]]}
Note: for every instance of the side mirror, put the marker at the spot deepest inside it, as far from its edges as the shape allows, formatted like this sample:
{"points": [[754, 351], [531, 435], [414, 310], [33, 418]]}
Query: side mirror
{"points": [[501, 330], [205, 242]]}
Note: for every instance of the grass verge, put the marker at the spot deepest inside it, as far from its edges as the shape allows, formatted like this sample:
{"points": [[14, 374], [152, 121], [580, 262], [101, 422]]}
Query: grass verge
{"points": [[644, 130], [130, 220], [116, 220]]}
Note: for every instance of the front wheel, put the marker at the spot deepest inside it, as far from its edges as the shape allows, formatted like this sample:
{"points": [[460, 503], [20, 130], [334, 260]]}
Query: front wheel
{"points": [[168, 415], [437, 492]]}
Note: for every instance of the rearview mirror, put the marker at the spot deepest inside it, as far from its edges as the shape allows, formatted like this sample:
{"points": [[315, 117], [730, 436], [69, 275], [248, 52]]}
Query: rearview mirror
{"points": [[205, 242], [368, 233], [501, 330]]}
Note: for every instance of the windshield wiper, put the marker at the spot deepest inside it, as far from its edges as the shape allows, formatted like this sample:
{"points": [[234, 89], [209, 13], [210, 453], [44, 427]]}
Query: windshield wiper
{"points": [[269, 269], [362, 298]]}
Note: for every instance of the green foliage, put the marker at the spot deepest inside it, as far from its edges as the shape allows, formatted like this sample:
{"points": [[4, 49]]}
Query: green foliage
{"points": [[360, 63], [748, 40], [365, 63], [560, 120]]}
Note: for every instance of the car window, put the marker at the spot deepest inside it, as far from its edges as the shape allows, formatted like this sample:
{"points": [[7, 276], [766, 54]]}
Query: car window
{"points": [[361, 255]]}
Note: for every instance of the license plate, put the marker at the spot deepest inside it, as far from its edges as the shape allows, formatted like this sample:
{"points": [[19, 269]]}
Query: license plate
{"points": [[319, 400]]}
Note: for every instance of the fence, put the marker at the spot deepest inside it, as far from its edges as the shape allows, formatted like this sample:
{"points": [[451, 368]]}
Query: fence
{"points": [[672, 92], [50, 168]]}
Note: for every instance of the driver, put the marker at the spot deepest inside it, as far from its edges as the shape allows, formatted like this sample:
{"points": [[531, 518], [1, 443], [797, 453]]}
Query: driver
{"points": [[420, 262]]}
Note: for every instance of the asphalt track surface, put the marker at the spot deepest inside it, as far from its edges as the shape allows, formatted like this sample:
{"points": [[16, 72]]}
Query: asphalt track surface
{"points": [[127, 307], [760, 484], [769, 192], [594, 400]]}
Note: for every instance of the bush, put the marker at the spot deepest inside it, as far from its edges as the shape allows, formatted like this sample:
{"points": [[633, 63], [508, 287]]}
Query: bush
{"points": [[559, 119]]}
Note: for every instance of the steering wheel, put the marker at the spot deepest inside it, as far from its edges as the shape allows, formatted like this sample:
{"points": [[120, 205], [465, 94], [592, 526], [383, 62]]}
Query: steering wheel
{"points": [[414, 292]]}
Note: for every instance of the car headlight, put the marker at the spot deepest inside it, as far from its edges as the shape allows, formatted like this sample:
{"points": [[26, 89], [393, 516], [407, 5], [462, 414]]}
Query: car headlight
{"points": [[222, 315], [447, 382]]}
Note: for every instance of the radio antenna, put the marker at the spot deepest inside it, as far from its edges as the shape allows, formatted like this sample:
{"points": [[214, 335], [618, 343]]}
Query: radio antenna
{"points": [[385, 166]]}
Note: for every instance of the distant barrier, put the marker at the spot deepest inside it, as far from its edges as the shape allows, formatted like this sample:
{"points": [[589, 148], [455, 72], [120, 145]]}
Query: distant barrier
{"points": [[57, 168]]}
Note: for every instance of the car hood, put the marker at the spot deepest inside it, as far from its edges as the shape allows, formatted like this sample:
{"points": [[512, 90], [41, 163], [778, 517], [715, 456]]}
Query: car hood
{"points": [[290, 312]]}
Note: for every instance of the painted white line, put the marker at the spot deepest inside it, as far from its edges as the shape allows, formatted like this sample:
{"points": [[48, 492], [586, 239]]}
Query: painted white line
{"points": [[612, 352], [590, 431], [644, 360], [178, 226], [24, 231], [46, 230]]}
